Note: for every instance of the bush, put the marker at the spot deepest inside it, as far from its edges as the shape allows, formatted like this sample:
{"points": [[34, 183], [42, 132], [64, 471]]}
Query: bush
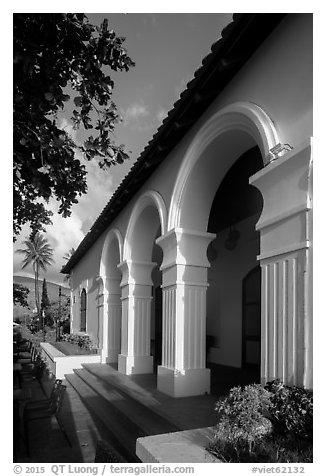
{"points": [[83, 341], [243, 420], [271, 424], [291, 409]]}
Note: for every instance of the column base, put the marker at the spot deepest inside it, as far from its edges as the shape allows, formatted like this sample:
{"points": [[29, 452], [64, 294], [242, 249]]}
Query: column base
{"points": [[183, 383], [135, 364], [110, 357]]}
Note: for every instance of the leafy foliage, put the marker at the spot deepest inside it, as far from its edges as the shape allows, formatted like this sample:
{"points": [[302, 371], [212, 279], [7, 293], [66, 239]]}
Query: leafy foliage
{"points": [[243, 421], [69, 254], [291, 409], [83, 341], [271, 424], [61, 60], [20, 294]]}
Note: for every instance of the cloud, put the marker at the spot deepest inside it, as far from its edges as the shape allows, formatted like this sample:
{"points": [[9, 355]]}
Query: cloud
{"points": [[101, 185], [134, 113], [63, 234]]}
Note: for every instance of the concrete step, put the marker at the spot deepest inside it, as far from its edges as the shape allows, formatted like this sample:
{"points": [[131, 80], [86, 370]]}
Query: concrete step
{"points": [[124, 417], [144, 416], [121, 432], [181, 413]]}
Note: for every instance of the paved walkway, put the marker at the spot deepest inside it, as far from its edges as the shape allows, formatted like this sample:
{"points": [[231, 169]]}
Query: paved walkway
{"points": [[48, 444]]}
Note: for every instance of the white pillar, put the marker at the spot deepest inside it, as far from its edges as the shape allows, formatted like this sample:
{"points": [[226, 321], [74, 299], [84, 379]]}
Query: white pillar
{"points": [[184, 283], [136, 299], [110, 317], [286, 260]]}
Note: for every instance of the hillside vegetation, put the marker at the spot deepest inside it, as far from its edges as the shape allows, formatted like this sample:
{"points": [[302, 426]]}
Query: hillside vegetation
{"points": [[53, 293]]}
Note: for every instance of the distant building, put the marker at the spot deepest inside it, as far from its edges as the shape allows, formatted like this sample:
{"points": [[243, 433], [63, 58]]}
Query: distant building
{"points": [[208, 240]]}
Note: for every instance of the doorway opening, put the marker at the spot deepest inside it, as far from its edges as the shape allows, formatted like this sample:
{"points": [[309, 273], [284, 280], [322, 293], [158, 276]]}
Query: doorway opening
{"points": [[156, 320], [251, 319], [233, 297]]}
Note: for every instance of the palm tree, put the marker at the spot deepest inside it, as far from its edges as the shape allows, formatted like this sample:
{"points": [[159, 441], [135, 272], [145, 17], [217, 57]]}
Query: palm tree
{"points": [[69, 254], [38, 253], [67, 257]]}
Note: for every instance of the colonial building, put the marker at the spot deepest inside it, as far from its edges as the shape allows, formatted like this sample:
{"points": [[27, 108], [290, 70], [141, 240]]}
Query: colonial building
{"points": [[203, 255]]}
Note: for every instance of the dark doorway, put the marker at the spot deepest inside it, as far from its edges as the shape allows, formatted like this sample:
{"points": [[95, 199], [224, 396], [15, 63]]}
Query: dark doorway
{"points": [[83, 308], [157, 351], [251, 317]]}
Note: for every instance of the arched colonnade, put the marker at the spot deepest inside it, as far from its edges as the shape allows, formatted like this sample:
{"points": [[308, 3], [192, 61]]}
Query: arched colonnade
{"points": [[179, 228]]}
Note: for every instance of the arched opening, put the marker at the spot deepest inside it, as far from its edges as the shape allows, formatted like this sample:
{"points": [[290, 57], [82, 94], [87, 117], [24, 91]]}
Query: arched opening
{"points": [[111, 300], [141, 287], [144, 250], [233, 296], [113, 280], [83, 310], [239, 130]]}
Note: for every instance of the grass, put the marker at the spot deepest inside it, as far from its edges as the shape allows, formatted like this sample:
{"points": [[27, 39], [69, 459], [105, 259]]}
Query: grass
{"points": [[68, 348], [270, 449]]}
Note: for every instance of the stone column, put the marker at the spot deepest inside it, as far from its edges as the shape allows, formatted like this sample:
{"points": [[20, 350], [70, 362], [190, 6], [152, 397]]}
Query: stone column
{"points": [[286, 259], [100, 318], [136, 299], [184, 283], [110, 317]]}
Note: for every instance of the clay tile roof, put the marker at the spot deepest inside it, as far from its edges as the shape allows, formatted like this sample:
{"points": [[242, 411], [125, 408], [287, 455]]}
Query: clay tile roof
{"points": [[239, 40]]}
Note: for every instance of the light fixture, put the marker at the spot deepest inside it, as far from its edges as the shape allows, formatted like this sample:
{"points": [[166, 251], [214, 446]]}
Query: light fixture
{"points": [[232, 239]]}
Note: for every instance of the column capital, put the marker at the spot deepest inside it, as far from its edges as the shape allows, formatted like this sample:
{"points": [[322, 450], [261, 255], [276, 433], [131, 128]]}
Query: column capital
{"points": [[136, 272], [185, 247], [108, 284], [285, 185]]}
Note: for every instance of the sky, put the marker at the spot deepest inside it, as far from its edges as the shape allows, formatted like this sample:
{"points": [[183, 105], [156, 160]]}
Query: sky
{"points": [[167, 49]]}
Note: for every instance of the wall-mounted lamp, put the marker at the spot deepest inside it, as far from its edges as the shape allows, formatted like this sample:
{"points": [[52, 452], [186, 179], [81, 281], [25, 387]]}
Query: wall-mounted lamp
{"points": [[232, 239]]}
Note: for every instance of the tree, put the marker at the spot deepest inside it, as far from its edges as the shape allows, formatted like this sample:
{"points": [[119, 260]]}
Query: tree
{"points": [[69, 254], [60, 312], [61, 63], [38, 253], [20, 294], [45, 302]]}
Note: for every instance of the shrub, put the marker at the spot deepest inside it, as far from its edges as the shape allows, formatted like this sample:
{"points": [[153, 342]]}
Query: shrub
{"points": [[243, 420], [271, 424], [291, 409], [83, 341]]}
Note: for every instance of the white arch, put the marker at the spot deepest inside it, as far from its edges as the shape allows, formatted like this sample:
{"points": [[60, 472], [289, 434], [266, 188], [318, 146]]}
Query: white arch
{"points": [[244, 116], [112, 235], [150, 197]]}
